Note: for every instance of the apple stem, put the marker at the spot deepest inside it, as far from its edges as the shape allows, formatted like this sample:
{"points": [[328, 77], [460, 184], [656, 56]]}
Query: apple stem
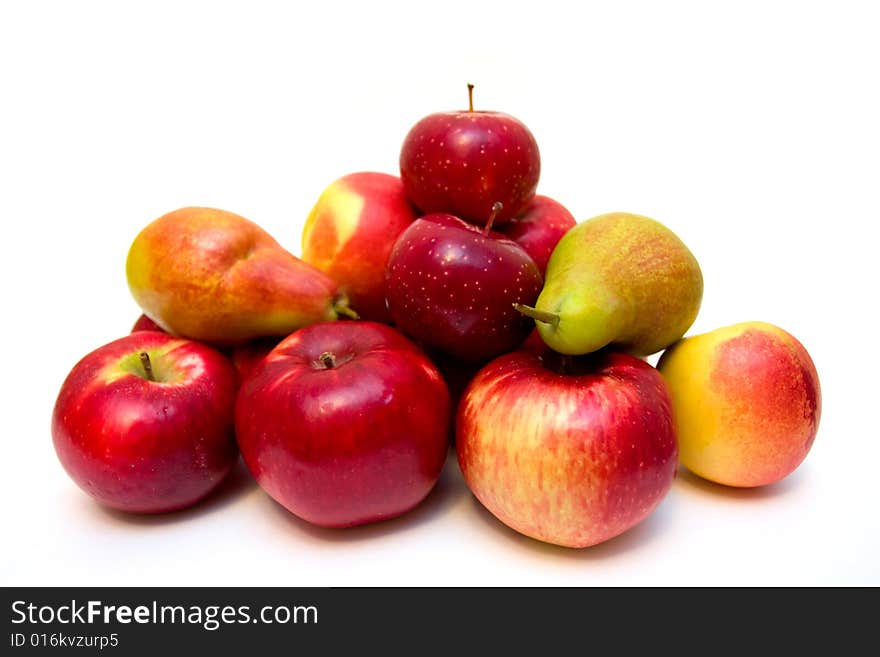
{"points": [[470, 97], [328, 360], [497, 207], [148, 366], [544, 316]]}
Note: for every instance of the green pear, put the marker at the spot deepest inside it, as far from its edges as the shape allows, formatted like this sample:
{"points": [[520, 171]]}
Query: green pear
{"points": [[618, 279]]}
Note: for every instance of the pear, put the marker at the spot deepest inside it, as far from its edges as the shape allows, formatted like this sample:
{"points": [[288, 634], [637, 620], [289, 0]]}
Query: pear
{"points": [[214, 276], [618, 279]]}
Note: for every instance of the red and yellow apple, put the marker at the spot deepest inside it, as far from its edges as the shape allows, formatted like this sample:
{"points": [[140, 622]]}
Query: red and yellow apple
{"points": [[145, 423], [747, 403], [349, 233], [567, 450]]}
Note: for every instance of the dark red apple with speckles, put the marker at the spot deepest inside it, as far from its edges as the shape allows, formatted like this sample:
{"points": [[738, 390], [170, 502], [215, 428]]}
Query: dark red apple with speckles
{"points": [[344, 423], [539, 228], [452, 286], [463, 162], [144, 423]]}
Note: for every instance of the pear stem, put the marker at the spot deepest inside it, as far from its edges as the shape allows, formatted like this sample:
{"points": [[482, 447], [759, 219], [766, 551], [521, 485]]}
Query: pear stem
{"points": [[470, 97], [148, 366], [544, 316], [497, 207], [341, 307], [328, 360]]}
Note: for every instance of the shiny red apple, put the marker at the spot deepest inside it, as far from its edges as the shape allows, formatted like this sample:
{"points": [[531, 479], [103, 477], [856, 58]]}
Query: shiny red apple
{"points": [[539, 227], [344, 423], [567, 450], [463, 162], [452, 286], [145, 424]]}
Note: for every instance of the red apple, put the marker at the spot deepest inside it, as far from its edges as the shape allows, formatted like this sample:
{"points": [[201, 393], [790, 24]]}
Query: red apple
{"points": [[246, 357], [144, 323], [538, 229], [567, 450], [533, 343], [144, 423], [457, 374], [452, 286], [344, 423], [349, 233], [463, 162]]}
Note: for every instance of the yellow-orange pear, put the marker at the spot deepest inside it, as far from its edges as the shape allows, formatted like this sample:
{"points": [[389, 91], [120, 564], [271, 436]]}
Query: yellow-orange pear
{"points": [[214, 276]]}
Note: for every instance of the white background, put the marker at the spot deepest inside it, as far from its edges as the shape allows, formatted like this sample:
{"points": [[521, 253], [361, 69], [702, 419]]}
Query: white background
{"points": [[750, 129]]}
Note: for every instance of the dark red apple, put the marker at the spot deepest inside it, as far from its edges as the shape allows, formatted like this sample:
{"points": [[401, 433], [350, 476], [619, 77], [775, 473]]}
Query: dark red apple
{"points": [[538, 229], [534, 343], [145, 424], [567, 450], [462, 162], [144, 323], [452, 286], [457, 374], [344, 423], [246, 357]]}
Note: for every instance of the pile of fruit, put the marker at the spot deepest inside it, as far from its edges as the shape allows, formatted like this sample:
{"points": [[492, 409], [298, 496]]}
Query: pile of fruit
{"points": [[448, 305]]}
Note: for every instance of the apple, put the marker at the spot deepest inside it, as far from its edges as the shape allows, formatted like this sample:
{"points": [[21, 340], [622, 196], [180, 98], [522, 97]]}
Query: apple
{"points": [[457, 374], [463, 162], [144, 323], [144, 424], [568, 450], [539, 228], [246, 357], [349, 233], [452, 285], [747, 401], [344, 423]]}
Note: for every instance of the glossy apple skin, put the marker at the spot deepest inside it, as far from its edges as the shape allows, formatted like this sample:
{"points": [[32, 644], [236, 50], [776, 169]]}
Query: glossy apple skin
{"points": [[539, 228], [571, 454], [339, 446], [349, 233], [453, 288], [144, 323], [463, 162], [747, 400], [147, 446]]}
